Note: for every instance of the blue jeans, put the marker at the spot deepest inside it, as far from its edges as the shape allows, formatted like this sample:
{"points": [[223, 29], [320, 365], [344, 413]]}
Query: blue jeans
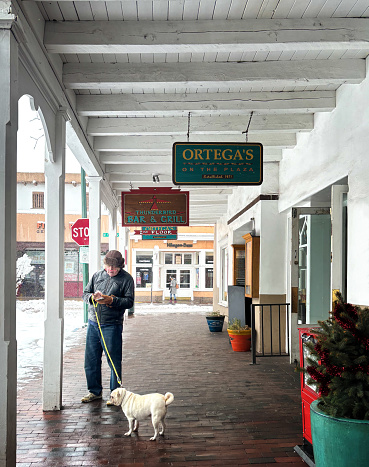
{"points": [[93, 353]]}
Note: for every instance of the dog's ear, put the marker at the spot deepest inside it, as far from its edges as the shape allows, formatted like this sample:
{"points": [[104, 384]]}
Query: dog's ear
{"points": [[120, 395]]}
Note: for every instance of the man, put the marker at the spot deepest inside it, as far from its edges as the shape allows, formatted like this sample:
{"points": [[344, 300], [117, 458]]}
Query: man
{"points": [[111, 290]]}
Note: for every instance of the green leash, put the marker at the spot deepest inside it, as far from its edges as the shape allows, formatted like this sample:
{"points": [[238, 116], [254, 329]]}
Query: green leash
{"points": [[106, 349]]}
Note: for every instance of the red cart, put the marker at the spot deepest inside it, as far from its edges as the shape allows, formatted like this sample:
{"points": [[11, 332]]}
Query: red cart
{"points": [[308, 395]]}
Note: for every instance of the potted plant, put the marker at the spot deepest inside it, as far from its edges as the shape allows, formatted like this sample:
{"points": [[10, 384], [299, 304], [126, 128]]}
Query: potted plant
{"points": [[239, 336], [215, 321], [339, 366]]}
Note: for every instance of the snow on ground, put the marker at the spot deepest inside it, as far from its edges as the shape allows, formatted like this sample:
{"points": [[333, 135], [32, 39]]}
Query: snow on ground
{"points": [[30, 329]]}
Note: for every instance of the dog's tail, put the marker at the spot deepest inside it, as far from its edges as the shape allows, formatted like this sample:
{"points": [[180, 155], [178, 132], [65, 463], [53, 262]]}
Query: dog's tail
{"points": [[169, 398]]}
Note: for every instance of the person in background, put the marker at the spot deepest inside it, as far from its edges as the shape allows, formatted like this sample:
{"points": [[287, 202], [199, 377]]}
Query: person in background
{"points": [[173, 290], [111, 290]]}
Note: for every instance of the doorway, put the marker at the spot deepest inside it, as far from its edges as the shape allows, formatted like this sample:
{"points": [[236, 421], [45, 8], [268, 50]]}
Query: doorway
{"points": [[311, 264]]}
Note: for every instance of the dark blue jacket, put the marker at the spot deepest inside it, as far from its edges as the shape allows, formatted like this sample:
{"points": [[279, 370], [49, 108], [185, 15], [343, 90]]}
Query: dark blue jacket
{"points": [[121, 286]]}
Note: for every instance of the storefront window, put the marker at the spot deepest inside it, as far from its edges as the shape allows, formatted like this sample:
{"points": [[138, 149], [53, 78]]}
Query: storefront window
{"points": [[224, 272], [184, 279], [168, 258], [143, 277], [187, 258], [170, 272], [143, 258], [209, 278], [209, 259], [178, 258]]}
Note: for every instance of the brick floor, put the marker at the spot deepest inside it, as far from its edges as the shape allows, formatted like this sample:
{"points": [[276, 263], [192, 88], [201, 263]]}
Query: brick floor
{"points": [[226, 411]]}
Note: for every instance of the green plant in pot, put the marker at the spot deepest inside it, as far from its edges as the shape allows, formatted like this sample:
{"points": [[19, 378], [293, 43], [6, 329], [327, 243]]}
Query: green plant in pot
{"points": [[215, 321], [339, 366], [239, 335]]}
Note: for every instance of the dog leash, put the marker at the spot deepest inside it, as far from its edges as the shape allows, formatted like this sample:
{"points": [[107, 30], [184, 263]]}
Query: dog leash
{"points": [[106, 349]]}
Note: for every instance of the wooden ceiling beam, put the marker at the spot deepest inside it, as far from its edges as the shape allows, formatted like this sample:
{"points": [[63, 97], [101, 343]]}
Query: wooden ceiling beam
{"points": [[205, 103], [230, 124], [133, 77], [202, 36], [162, 143]]}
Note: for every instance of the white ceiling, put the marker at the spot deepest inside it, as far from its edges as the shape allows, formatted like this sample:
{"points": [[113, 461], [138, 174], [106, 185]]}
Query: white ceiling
{"points": [[145, 72]]}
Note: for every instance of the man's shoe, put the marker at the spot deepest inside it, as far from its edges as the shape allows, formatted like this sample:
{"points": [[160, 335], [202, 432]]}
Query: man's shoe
{"points": [[91, 397]]}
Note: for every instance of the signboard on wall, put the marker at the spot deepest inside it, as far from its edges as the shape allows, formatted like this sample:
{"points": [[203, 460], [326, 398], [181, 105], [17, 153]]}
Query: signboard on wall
{"points": [[155, 207], [217, 163]]}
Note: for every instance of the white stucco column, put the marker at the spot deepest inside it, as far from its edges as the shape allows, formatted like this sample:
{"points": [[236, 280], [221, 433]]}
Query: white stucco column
{"points": [[94, 214], [54, 262], [8, 207], [113, 229]]}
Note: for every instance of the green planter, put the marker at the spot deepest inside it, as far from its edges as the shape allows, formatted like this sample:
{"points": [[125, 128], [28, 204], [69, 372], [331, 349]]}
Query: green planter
{"points": [[338, 442]]}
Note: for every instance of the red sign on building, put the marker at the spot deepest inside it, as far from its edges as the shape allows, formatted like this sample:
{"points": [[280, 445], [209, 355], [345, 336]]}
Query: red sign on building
{"points": [[155, 207], [80, 232]]}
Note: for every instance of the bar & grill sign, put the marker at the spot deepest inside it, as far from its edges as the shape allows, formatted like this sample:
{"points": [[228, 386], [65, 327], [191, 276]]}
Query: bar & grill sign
{"points": [[217, 163], [155, 207]]}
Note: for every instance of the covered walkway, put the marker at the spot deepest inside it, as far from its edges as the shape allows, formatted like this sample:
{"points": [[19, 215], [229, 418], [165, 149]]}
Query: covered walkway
{"points": [[226, 412]]}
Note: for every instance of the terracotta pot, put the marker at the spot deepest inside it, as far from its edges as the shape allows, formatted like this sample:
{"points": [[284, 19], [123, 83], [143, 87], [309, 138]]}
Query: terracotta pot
{"points": [[240, 340]]}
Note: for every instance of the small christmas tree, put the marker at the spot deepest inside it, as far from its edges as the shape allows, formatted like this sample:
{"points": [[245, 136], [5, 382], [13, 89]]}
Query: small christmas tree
{"points": [[339, 362]]}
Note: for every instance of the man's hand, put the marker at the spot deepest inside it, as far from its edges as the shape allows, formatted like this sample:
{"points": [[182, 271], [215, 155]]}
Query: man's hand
{"points": [[102, 299]]}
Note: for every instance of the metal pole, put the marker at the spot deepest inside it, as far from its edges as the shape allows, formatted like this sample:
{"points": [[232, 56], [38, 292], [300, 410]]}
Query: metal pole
{"points": [[84, 215], [253, 347]]}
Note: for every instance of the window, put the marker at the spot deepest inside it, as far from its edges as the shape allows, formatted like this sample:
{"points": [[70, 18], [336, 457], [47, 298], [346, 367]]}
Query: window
{"points": [[224, 272], [239, 265], [209, 259], [209, 278], [184, 279], [169, 273], [168, 258], [178, 258], [143, 257], [37, 200], [143, 277], [187, 258]]}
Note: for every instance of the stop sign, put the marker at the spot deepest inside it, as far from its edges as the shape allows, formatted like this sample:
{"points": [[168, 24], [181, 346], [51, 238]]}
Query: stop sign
{"points": [[80, 232]]}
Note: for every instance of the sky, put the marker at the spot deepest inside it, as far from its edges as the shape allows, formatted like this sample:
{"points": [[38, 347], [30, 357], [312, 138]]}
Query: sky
{"points": [[31, 142], [30, 330]]}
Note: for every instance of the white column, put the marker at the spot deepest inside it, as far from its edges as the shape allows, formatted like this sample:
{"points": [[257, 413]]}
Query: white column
{"points": [[8, 207], [337, 192], [94, 201], [54, 261], [155, 268], [113, 229]]}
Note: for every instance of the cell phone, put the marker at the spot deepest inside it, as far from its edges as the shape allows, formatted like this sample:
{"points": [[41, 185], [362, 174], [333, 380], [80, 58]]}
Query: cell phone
{"points": [[98, 299]]}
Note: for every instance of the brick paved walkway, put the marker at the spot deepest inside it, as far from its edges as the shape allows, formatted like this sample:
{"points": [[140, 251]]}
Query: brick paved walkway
{"points": [[226, 412]]}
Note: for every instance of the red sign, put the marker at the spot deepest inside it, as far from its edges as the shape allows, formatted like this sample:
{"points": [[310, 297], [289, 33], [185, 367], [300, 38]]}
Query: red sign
{"points": [[156, 231], [155, 207], [80, 231]]}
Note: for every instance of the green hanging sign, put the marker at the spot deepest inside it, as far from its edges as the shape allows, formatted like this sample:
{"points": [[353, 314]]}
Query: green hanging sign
{"points": [[217, 163]]}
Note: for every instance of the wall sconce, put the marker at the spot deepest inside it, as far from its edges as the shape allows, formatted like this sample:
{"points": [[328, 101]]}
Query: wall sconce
{"points": [[74, 183], [155, 178], [35, 182]]}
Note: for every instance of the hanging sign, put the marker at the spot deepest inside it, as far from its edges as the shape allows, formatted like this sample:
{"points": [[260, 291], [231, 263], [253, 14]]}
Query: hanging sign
{"points": [[217, 163], [155, 207], [157, 233]]}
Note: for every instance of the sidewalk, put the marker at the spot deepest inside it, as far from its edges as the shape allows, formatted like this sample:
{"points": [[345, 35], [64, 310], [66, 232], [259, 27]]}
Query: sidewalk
{"points": [[225, 412]]}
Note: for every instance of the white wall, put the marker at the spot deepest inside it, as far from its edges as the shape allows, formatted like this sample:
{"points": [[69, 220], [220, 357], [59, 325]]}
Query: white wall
{"points": [[337, 147], [72, 199], [269, 224], [272, 276]]}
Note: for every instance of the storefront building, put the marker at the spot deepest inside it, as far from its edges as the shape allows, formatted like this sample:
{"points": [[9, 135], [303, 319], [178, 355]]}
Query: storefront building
{"points": [[189, 259], [31, 234]]}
